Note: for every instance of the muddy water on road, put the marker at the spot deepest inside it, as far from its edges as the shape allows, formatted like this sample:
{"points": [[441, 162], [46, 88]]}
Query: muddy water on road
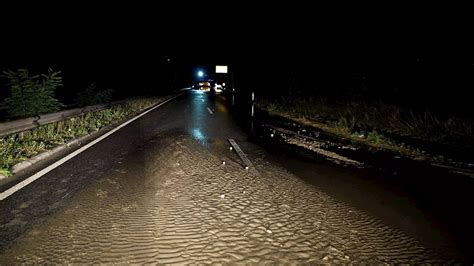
{"points": [[171, 200], [182, 205], [423, 201]]}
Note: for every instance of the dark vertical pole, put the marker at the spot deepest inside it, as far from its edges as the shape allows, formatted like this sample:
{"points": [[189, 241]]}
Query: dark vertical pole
{"points": [[253, 104], [233, 85], [233, 88]]}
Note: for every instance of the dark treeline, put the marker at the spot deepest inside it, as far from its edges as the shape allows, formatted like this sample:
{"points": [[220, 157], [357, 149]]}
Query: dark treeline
{"points": [[436, 82], [128, 77]]}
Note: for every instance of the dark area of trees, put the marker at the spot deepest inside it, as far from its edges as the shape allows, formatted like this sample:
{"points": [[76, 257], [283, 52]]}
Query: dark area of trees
{"points": [[88, 80], [438, 82]]}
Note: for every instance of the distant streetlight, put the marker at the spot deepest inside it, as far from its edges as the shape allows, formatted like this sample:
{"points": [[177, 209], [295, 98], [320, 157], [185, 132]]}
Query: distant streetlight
{"points": [[200, 74]]}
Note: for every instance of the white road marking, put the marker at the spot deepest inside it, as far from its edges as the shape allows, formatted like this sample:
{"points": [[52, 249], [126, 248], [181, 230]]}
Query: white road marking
{"points": [[210, 111], [5, 194]]}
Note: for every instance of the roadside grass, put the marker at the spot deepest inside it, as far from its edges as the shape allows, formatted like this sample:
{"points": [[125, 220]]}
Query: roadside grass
{"points": [[373, 123], [19, 147], [5, 172]]}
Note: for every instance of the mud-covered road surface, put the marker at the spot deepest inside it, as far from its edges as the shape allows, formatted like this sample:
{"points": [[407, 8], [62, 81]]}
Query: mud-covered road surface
{"points": [[158, 191]]}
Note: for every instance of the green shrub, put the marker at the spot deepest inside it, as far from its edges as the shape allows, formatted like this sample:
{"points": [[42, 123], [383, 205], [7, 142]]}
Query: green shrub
{"points": [[32, 95], [375, 138]]}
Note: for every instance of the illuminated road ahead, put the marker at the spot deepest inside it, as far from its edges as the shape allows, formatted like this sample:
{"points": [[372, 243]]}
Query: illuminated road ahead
{"points": [[158, 191]]}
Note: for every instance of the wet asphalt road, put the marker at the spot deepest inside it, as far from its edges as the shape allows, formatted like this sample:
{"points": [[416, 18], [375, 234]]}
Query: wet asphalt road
{"points": [[157, 191]]}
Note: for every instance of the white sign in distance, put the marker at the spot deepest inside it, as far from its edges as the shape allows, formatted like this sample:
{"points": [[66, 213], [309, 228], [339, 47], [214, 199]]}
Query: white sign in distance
{"points": [[221, 69]]}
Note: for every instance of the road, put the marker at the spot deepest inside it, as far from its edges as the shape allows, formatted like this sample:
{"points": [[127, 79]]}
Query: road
{"points": [[158, 191]]}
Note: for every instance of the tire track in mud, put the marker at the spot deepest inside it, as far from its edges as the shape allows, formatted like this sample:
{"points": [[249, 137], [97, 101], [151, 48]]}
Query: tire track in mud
{"points": [[174, 202]]}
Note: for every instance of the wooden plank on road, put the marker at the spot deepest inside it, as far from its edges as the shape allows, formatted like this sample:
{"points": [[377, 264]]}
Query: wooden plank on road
{"points": [[241, 154]]}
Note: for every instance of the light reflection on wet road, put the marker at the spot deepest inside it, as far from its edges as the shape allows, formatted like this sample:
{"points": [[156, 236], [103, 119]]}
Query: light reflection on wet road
{"points": [[157, 191]]}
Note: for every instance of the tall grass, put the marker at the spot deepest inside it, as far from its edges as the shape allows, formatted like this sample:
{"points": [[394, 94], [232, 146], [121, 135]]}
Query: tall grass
{"points": [[356, 117], [19, 147]]}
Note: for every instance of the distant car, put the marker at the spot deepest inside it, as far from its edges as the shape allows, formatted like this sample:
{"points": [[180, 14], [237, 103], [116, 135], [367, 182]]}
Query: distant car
{"points": [[205, 84], [202, 86]]}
